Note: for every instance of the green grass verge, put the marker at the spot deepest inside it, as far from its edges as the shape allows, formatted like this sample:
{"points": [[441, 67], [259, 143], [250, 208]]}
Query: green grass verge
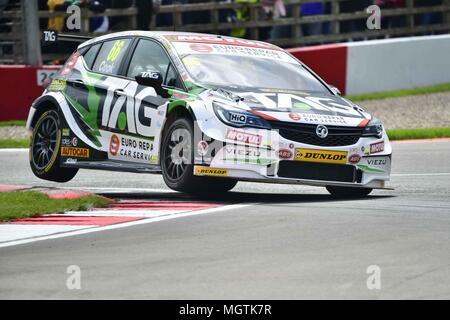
{"points": [[401, 93], [420, 133], [14, 143], [13, 123], [16, 205]]}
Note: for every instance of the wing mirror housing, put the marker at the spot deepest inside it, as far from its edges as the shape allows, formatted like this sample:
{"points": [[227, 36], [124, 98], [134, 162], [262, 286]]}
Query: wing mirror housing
{"points": [[153, 79], [335, 90]]}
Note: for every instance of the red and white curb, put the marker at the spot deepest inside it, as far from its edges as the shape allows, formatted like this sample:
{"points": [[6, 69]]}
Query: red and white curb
{"points": [[119, 215]]}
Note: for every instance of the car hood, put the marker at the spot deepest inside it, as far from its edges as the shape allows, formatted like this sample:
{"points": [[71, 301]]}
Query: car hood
{"points": [[295, 106]]}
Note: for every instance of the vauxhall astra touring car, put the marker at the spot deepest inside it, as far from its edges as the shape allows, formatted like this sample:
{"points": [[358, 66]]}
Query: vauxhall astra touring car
{"points": [[206, 111]]}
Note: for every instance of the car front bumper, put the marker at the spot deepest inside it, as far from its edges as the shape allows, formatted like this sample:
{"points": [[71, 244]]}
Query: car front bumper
{"points": [[264, 156]]}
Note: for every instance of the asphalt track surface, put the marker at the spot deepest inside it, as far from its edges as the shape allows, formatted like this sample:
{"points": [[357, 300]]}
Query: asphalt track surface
{"points": [[286, 242]]}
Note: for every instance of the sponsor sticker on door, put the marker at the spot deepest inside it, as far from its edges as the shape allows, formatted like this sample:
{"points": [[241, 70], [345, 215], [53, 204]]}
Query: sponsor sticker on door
{"points": [[129, 148]]}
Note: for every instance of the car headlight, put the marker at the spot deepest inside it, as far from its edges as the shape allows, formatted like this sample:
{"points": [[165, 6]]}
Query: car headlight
{"points": [[373, 129], [236, 117]]}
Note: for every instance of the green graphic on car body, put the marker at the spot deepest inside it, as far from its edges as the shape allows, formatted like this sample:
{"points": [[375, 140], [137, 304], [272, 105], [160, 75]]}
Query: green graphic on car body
{"points": [[259, 161], [89, 114], [368, 169], [302, 106]]}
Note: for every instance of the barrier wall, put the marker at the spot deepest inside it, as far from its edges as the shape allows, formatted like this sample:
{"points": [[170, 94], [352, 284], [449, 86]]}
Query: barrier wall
{"points": [[328, 61], [387, 65], [19, 87], [381, 65]]}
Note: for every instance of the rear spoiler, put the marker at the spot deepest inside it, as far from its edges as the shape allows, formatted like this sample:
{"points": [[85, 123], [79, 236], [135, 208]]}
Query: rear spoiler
{"points": [[51, 37]]}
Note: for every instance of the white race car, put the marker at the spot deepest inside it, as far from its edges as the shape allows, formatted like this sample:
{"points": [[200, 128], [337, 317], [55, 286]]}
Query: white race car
{"points": [[206, 111]]}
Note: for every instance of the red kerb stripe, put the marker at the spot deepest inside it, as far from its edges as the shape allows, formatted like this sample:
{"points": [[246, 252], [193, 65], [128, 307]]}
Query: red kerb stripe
{"points": [[75, 221]]}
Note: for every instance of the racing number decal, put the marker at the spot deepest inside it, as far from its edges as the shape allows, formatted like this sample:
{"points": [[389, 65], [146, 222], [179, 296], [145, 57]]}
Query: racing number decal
{"points": [[115, 51]]}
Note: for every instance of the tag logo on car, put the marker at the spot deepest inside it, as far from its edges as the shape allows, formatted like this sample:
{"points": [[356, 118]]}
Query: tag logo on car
{"points": [[150, 75], [322, 131]]}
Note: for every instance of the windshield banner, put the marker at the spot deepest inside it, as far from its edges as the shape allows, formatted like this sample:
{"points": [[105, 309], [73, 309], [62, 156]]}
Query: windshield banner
{"points": [[185, 48]]}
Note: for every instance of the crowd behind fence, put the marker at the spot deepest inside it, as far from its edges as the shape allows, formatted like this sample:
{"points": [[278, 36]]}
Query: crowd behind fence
{"points": [[288, 23]]}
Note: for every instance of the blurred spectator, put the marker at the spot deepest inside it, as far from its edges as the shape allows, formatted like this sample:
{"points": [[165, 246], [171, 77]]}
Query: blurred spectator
{"points": [[166, 19], [326, 26], [280, 32], [225, 15], [56, 23], [353, 6], [145, 13], [312, 9], [98, 24], [271, 10], [242, 14], [119, 23], [394, 21], [309, 29], [196, 17], [428, 18]]}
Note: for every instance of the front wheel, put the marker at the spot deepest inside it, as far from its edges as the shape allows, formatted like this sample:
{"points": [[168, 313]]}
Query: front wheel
{"points": [[348, 192], [177, 158], [45, 148]]}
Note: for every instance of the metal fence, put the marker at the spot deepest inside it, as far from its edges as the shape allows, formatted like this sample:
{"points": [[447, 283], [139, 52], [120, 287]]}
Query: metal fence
{"points": [[337, 23]]}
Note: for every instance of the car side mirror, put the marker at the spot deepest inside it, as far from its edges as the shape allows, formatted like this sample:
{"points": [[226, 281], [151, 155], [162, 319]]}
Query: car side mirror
{"points": [[152, 79], [335, 90]]}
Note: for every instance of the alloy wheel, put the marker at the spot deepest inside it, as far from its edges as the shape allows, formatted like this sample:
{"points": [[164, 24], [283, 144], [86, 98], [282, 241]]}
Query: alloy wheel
{"points": [[44, 142], [177, 155]]}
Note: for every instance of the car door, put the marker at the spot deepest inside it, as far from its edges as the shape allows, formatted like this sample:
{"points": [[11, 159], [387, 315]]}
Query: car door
{"points": [[96, 89], [110, 85], [144, 126]]}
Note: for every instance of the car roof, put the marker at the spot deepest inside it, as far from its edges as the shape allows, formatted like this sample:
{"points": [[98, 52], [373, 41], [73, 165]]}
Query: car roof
{"points": [[162, 37]]}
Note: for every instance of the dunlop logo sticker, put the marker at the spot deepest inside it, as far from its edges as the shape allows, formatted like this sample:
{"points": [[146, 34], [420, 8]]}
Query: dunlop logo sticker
{"points": [[322, 156], [213, 172]]}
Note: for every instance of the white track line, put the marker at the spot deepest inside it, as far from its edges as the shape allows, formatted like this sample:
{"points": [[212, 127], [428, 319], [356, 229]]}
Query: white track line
{"points": [[119, 189], [122, 213], [125, 224], [419, 174], [12, 232], [13, 150]]}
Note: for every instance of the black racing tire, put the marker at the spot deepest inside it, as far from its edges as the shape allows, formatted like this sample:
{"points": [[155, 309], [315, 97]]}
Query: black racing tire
{"points": [[348, 192], [45, 147], [177, 158]]}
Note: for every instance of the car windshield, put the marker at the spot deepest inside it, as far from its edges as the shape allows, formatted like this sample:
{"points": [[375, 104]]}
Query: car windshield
{"points": [[251, 72]]}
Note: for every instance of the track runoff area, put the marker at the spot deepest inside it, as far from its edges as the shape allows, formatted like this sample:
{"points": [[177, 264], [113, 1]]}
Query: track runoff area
{"points": [[122, 214]]}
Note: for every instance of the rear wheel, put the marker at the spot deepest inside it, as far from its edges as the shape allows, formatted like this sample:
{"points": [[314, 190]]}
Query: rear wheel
{"points": [[177, 162], [45, 148], [348, 192]]}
